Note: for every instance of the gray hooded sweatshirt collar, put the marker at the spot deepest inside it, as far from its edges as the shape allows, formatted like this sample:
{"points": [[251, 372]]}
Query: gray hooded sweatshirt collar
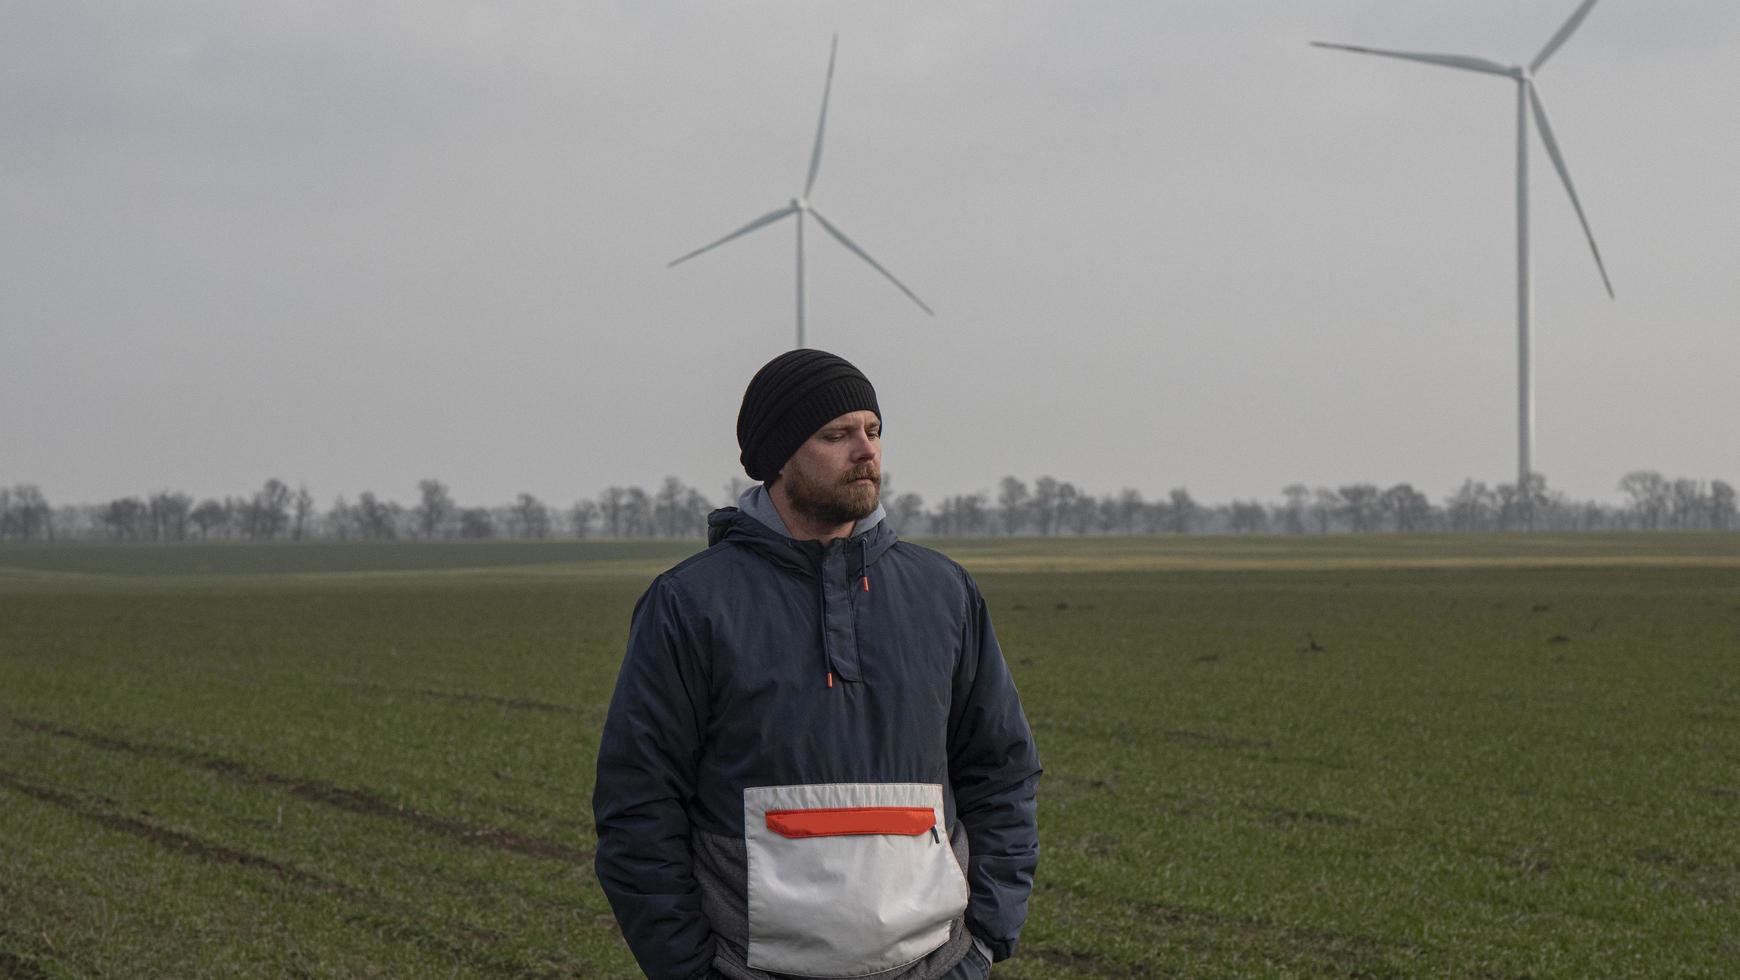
{"points": [[758, 503]]}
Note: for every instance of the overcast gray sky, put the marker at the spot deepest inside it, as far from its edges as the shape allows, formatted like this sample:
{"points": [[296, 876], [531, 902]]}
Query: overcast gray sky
{"points": [[353, 245]]}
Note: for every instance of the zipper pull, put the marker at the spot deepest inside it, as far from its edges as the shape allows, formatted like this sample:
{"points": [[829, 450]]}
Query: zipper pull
{"points": [[866, 583], [934, 839], [830, 679]]}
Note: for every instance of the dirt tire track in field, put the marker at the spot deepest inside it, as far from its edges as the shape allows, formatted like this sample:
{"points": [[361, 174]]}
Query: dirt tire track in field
{"points": [[379, 914], [1347, 950], [1120, 735], [469, 697], [14, 967], [164, 837], [1287, 815], [466, 697], [1352, 955], [324, 793], [14, 946], [1078, 964], [1218, 741]]}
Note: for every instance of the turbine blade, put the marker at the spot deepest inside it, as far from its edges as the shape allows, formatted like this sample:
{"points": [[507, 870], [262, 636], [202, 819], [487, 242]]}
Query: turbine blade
{"points": [[1546, 131], [840, 236], [766, 219], [1448, 60], [822, 123], [1564, 35]]}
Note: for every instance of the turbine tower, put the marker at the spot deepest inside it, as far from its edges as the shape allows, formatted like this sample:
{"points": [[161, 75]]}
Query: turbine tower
{"points": [[1528, 102], [800, 207]]}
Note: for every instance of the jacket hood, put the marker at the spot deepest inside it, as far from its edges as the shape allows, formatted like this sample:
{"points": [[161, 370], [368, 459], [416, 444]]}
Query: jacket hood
{"points": [[755, 523]]}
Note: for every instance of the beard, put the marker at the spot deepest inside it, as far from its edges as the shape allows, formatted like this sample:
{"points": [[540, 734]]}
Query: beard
{"points": [[835, 503]]}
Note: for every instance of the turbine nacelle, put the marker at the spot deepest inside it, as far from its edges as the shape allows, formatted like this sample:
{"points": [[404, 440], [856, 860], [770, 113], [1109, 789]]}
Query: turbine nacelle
{"points": [[1529, 102], [799, 206]]}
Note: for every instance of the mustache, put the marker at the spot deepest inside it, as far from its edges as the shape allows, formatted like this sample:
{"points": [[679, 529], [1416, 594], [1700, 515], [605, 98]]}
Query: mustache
{"points": [[865, 473]]}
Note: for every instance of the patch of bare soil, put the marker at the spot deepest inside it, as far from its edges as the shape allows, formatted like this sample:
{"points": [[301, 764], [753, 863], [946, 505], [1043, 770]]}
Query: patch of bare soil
{"points": [[467, 697]]}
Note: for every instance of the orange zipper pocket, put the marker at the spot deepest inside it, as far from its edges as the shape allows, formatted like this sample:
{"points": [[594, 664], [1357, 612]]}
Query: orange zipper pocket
{"points": [[905, 821]]}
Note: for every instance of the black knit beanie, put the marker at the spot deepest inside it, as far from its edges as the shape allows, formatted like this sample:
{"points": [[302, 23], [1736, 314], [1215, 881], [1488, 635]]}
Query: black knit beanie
{"points": [[791, 397]]}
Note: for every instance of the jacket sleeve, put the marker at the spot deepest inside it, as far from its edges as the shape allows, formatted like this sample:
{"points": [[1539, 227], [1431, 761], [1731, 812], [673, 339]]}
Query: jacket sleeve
{"points": [[994, 770], [646, 777]]}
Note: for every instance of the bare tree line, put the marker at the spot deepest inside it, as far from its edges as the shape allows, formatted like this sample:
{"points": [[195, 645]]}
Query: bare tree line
{"points": [[1051, 507], [1046, 507]]}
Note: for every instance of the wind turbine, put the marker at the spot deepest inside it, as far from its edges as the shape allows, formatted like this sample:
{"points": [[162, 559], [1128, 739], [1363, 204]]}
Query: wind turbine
{"points": [[800, 207], [1528, 101]]}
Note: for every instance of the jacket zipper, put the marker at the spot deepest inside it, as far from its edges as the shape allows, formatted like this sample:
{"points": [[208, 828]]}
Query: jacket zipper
{"points": [[822, 617], [822, 609], [903, 821]]}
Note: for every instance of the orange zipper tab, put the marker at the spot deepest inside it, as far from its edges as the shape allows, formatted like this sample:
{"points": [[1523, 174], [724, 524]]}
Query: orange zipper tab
{"points": [[866, 583], [830, 678]]}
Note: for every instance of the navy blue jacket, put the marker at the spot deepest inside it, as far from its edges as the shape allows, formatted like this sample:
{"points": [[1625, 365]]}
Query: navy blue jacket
{"points": [[767, 677]]}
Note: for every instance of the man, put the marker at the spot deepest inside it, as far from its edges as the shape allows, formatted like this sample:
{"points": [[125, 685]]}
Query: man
{"points": [[815, 762]]}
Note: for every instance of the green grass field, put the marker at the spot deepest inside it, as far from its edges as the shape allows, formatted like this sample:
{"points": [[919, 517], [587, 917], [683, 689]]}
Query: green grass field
{"points": [[1342, 757]]}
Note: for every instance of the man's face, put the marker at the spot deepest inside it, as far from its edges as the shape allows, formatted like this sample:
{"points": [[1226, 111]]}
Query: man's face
{"points": [[835, 477]]}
